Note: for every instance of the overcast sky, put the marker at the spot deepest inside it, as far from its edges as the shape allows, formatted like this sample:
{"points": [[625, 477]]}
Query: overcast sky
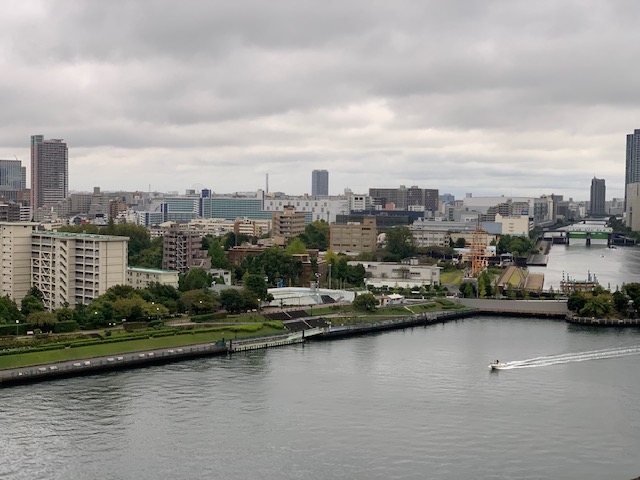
{"points": [[491, 97]]}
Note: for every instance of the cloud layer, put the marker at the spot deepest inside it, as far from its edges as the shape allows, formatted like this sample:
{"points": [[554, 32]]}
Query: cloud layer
{"points": [[500, 97]]}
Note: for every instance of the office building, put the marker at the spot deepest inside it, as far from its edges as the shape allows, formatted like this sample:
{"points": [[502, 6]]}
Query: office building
{"points": [[319, 183], [354, 237], [404, 198], [49, 171], [598, 197], [11, 180]]}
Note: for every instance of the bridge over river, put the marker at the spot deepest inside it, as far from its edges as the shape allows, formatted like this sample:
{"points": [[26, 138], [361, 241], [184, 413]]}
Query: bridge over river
{"points": [[580, 231]]}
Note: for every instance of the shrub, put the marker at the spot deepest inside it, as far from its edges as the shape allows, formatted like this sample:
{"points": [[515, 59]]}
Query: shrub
{"points": [[277, 324], [62, 327], [208, 317]]}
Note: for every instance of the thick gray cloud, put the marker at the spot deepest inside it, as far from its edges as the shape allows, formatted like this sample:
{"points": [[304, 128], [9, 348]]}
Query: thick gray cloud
{"points": [[498, 97]]}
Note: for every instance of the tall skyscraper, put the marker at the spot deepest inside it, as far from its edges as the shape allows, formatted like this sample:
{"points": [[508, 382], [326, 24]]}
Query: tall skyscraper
{"points": [[598, 196], [49, 171], [319, 183], [11, 187]]}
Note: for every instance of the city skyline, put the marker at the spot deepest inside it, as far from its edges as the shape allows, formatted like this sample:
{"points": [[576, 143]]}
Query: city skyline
{"points": [[219, 95]]}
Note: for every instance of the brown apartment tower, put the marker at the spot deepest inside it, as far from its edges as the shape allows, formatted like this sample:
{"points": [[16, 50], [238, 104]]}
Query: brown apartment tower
{"points": [[49, 171]]}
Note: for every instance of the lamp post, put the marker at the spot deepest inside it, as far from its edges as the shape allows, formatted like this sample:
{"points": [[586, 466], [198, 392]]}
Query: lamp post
{"points": [[329, 276], [317, 287], [17, 325]]}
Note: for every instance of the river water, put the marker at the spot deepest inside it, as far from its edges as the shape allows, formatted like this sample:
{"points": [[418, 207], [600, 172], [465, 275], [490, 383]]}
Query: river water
{"points": [[411, 404], [611, 266]]}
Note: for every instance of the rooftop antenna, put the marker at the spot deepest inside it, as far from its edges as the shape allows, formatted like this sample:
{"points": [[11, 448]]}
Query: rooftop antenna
{"points": [[267, 185]]}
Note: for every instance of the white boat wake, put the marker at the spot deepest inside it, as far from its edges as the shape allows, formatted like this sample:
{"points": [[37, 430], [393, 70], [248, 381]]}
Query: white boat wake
{"points": [[572, 357]]}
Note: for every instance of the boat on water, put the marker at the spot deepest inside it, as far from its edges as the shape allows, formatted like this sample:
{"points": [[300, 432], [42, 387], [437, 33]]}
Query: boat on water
{"points": [[497, 365]]}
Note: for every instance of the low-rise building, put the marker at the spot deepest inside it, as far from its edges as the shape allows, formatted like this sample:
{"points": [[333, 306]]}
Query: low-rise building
{"points": [[140, 278], [400, 274]]}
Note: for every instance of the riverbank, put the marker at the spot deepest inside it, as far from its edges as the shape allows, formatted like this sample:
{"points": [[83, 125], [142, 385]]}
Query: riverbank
{"points": [[91, 365]]}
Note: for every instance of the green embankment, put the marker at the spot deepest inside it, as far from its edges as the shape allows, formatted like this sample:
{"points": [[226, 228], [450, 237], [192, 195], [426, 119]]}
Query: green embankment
{"points": [[453, 277]]}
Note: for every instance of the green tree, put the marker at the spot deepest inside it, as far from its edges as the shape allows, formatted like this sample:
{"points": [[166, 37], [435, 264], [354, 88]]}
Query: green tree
{"points": [[620, 302], [31, 304], [400, 242], [44, 320], [596, 306], [230, 240], [232, 300], [218, 255], [316, 235], [9, 311], [485, 285], [195, 278], [150, 257], [130, 308], [296, 247], [35, 292], [64, 314], [256, 284], [576, 301], [200, 301], [365, 302], [460, 243]]}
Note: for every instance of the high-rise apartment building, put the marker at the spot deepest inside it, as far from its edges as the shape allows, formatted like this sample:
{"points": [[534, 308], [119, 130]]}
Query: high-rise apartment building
{"points": [[319, 183], [182, 250], [287, 224], [632, 164], [49, 171], [598, 197], [75, 268], [15, 259]]}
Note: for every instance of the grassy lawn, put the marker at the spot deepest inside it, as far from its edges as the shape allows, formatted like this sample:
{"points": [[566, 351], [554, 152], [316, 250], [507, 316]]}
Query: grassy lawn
{"points": [[35, 358], [452, 277]]}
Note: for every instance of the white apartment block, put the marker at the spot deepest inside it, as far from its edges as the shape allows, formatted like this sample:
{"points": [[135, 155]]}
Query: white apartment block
{"points": [[321, 208], [15, 258], [140, 278], [514, 225], [71, 269], [429, 238]]}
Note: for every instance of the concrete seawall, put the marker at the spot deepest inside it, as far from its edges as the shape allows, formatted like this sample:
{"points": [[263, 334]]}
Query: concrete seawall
{"points": [[525, 308]]}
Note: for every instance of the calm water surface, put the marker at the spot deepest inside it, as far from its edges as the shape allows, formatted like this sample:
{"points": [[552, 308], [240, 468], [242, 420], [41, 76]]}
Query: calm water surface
{"points": [[418, 403], [413, 404], [612, 267]]}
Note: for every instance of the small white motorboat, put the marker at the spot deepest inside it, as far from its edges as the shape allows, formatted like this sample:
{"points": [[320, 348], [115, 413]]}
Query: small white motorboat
{"points": [[497, 365]]}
